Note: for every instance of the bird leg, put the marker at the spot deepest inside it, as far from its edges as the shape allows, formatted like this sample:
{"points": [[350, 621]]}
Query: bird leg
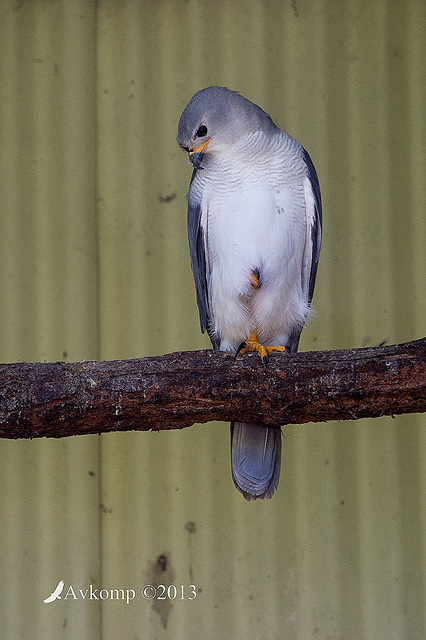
{"points": [[251, 344]]}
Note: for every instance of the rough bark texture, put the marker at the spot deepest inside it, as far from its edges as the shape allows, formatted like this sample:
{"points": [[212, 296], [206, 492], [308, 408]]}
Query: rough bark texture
{"points": [[179, 389]]}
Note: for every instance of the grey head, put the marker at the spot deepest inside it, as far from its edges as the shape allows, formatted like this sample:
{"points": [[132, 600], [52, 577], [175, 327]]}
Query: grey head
{"points": [[217, 118]]}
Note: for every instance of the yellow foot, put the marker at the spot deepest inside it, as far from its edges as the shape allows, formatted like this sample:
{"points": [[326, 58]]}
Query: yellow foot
{"points": [[251, 344]]}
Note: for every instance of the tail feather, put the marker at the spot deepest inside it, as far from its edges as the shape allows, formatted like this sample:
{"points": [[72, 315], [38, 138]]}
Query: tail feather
{"points": [[255, 459]]}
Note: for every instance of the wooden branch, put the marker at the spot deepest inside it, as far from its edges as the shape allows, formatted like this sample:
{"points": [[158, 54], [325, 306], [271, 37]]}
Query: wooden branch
{"points": [[179, 389]]}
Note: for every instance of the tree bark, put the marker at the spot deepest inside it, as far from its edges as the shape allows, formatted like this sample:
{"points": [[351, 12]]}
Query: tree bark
{"points": [[179, 389]]}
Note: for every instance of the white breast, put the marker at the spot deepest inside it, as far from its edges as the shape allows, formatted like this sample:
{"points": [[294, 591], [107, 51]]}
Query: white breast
{"points": [[253, 217]]}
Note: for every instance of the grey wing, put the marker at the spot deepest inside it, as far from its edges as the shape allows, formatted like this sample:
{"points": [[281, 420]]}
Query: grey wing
{"points": [[197, 251], [314, 226], [313, 213]]}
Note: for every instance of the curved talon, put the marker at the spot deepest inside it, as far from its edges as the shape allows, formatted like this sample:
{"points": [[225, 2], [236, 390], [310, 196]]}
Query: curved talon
{"points": [[242, 346]]}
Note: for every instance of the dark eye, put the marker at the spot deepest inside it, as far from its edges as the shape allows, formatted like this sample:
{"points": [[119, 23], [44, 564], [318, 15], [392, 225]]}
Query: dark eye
{"points": [[202, 130]]}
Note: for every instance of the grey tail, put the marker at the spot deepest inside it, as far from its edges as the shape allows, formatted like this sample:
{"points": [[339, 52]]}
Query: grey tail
{"points": [[255, 459]]}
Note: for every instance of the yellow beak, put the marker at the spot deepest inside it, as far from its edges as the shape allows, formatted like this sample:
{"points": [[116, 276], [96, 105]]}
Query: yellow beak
{"points": [[196, 154], [201, 147]]}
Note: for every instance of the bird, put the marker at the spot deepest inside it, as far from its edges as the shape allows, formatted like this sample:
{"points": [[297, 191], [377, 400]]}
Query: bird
{"points": [[55, 595], [254, 230]]}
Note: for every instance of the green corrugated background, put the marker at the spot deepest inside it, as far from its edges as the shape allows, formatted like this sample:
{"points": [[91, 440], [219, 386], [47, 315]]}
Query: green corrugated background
{"points": [[94, 265]]}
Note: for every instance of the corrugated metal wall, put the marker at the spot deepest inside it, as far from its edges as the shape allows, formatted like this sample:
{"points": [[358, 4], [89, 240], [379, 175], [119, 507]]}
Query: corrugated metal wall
{"points": [[94, 264]]}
